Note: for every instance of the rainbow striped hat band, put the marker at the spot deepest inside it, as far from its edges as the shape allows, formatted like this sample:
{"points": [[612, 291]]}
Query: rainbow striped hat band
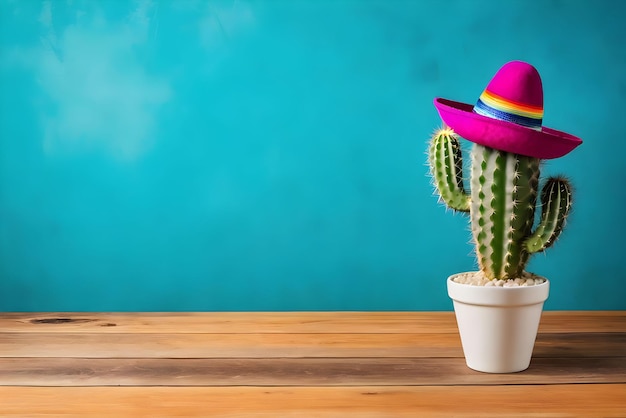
{"points": [[508, 116], [495, 106]]}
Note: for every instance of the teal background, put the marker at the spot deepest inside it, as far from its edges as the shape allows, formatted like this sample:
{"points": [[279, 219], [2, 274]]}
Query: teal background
{"points": [[270, 155]]}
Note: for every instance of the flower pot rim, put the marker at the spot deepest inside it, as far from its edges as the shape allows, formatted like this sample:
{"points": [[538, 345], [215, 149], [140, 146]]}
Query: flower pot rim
{"points": [[496, 287], [497, 295]]}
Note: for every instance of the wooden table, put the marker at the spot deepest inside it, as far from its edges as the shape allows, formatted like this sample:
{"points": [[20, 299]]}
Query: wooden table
{"points": [[324, 364]]}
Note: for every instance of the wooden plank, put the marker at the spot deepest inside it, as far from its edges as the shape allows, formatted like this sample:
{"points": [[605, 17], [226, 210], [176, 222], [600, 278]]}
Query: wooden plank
{"points": [[588, 401], [297, 372], [229, 345], [582, 321], [108, 345], [231, 322], [288, 322], [580, 344]]}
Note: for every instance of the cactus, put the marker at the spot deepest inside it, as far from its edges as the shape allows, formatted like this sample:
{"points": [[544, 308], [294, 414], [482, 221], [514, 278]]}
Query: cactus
{"points": [[501, 203]]}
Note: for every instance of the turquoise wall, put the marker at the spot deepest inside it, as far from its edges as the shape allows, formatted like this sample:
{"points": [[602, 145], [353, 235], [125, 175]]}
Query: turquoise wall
{"points": [[270, 155]]}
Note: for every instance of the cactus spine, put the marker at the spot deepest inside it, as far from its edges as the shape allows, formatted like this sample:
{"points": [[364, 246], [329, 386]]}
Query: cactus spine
{"points": [[501, 203]]}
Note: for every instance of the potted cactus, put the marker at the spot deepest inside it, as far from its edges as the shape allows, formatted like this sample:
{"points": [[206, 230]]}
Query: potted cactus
{"points": [[498, 308]]}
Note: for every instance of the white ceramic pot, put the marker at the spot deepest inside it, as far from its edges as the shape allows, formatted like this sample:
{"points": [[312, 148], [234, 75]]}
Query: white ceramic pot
{"points": [[498, 325]]}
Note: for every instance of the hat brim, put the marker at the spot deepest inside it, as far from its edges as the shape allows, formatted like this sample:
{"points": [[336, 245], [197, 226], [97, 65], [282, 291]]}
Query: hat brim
{"points": [[505, 136]]}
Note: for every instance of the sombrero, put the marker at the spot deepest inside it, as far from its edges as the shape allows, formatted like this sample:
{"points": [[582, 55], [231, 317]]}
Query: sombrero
{"points": [[508, 116]]}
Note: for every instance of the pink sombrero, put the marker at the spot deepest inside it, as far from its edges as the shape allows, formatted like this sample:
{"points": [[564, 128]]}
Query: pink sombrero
{"points": [[508, 116]]}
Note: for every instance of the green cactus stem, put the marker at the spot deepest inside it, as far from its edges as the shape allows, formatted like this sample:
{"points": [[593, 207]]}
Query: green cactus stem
{"points": [[446, 164], [556, 197], [501, 203]]}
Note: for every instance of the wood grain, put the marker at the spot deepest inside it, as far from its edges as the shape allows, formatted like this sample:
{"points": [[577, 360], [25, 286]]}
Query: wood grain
{"points": [[297, 372], [288, 322], [178, 345], [232, 322], [232, 345], [556, 401]]}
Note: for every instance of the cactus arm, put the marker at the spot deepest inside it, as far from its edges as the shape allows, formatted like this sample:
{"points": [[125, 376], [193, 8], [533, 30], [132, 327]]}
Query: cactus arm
{"points": [[446, 166], [556, 199]]}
